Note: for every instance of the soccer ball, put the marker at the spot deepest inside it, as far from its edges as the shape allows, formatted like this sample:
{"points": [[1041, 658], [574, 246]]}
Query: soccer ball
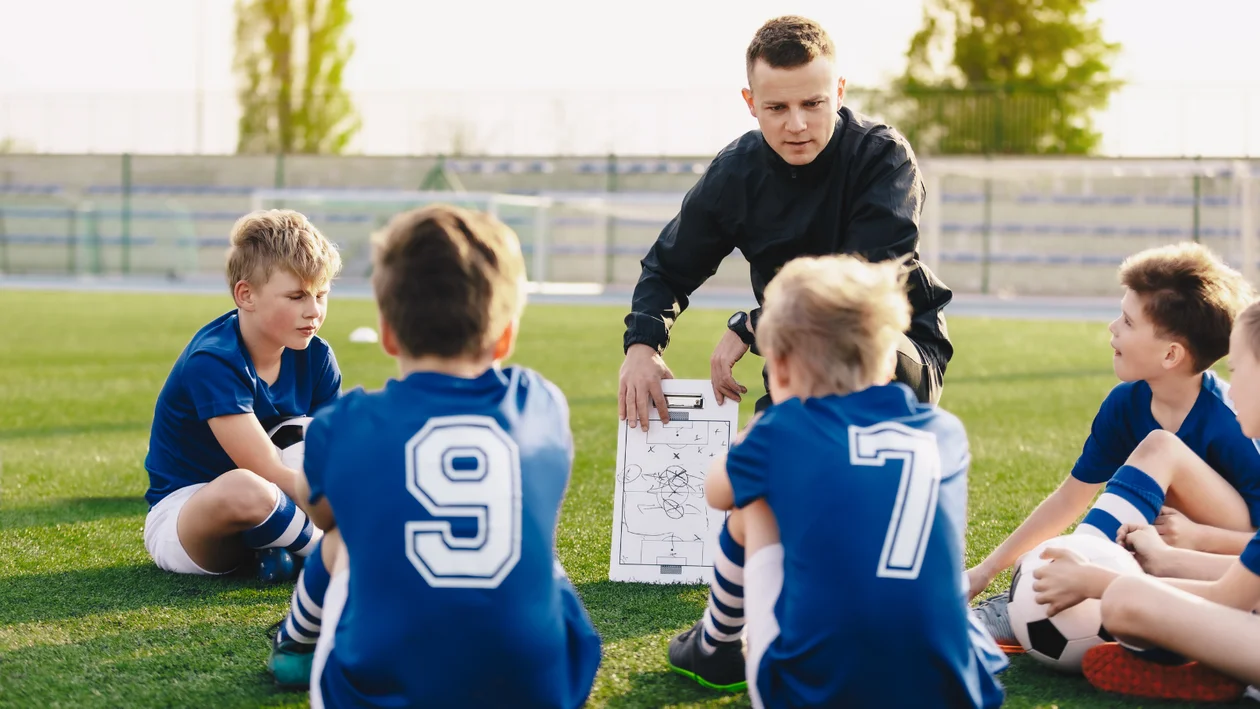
{"points": [[1061, 641], [289, 437]]}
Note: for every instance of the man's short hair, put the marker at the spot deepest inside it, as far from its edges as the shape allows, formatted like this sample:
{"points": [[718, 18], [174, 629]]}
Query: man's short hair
{"points": [[1190, 296], [448, 280], [788, 42], [266, 240], [839, 318]]}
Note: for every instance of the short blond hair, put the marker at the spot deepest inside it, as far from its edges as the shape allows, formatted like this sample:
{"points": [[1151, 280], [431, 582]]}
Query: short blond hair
{"points": [[1248, 322], [448, 280], [1190, 296], [839, 318], [266, 240]]}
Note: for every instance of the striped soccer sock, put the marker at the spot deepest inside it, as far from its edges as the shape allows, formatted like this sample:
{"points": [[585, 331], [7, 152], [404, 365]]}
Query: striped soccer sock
{"points": [[307, 608], [724, 619], [287, 527], [1131, 497]]}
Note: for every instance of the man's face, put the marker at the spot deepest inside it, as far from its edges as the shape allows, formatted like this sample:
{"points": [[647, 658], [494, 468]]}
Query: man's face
{"points": [[795, 108]]}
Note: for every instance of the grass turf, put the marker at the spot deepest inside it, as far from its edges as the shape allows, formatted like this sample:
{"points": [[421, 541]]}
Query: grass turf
{"points": [[87, 620]]}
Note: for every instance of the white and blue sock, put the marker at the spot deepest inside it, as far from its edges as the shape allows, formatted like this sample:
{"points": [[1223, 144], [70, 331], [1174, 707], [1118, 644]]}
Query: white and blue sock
{"points": [[1131, 497], [307, 607], [724, 619], [287, 527]]}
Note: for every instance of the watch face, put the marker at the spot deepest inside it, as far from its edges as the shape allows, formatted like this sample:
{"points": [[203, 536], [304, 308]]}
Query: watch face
{"points": [[734, 320]]}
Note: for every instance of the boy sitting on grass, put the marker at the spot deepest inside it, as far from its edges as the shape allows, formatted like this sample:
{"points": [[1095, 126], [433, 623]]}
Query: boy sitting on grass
{"points": [[1178, 307], [442, 493], [218, 490], [1208, 615], [849, 498]]}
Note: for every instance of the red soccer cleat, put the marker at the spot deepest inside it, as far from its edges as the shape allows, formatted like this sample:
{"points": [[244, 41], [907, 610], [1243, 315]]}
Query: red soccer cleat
{"points": [[1112, 668]]}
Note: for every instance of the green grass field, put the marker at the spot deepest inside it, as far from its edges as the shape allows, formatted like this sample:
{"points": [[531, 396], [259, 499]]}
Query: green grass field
{"points": [[87, 620]]}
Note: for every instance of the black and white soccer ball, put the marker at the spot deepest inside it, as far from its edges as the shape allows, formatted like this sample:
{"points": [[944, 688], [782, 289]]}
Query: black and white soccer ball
{"points": [[289, 438], [1061, 641]]}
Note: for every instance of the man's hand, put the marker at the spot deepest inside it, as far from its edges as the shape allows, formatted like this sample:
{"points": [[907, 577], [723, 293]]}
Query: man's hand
{"points": [[1068, 579], [640, 386], [729, 350], [1176, 529], [1148, 547]]}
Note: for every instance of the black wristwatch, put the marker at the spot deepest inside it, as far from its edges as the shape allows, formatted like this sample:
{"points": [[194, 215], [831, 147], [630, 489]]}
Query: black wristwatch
{"points": [[738, 324]]}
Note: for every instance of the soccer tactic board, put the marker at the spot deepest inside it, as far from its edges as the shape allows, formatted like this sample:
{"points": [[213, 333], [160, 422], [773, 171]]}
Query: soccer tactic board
{"points": [[663, 530]]}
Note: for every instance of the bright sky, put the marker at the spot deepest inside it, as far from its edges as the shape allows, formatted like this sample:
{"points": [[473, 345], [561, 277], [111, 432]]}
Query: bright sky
{"points": [[575, 75]]}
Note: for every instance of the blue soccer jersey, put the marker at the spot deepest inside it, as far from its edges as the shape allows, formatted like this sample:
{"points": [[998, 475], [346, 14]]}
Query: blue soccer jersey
{"points": [[447, 492], [214, 376], [870, 493], [1210, 430]]}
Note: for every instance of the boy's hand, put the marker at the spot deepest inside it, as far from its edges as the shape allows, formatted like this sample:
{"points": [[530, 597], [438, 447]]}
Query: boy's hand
{"points": [[979, 578], [1148, 547], [1176, 529], [1068, 579]]}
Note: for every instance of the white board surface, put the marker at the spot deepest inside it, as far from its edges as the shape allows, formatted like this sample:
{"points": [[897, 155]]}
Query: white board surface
{"points": [[663, 530]]}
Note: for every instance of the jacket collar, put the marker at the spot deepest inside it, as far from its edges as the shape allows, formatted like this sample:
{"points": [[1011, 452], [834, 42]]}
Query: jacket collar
{"points": [[819, 166]]}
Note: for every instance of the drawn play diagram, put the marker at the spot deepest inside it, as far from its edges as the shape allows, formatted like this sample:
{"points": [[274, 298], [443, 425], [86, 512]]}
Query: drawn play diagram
{"points": [[663, 530]]}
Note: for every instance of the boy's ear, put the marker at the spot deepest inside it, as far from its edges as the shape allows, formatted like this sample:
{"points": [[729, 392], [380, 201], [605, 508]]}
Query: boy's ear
{"points": [[389, 341], [503, 346], [244, 295], [1175, 355]]}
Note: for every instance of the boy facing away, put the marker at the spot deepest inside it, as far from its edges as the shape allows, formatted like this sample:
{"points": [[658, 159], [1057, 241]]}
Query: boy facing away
{"points": [[849, 498], [1178, 307], [1204, 606], [217, 486], [446, 486]]}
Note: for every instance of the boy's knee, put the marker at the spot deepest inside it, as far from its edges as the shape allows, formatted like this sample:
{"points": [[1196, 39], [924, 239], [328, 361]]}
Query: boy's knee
{"points": [[244, 497], [1124, 606], [1158, 444]]}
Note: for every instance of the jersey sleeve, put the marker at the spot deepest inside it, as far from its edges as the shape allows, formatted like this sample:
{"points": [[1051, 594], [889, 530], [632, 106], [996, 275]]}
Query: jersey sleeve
{"points": [[1108, 445], [328, 383], [316, 457], [216, 388], [748, 463], [562, 406], [1250, 557]]}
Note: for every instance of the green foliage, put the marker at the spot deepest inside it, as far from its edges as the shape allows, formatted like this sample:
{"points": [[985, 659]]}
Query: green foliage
{"points": [[290, 58], [1004, 76]]}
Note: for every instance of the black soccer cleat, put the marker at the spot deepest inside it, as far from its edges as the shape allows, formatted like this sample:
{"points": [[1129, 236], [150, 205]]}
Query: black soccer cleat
{"points": [[723, 670]]}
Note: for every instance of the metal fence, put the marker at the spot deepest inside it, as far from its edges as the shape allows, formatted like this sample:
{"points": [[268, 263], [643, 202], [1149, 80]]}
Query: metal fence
{"points": [[1020, 226]]}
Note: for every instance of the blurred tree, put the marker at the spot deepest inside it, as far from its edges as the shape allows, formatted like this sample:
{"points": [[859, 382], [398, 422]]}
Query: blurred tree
{"points": [[290, 57], [1004, 76]]}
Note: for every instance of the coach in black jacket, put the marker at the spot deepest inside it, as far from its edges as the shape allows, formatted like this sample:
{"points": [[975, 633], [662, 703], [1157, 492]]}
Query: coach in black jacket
{"points": [[815, 179]]}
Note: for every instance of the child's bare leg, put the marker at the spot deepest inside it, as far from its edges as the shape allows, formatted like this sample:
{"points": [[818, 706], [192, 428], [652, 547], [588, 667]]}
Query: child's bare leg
{"points": [[211, 521], [1145, 611], [1193, 487]]}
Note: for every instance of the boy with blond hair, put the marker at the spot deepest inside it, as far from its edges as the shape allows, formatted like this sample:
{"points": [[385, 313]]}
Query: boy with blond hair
{"points": [[218, 489], [1178, 307], [447, 486], [1204, 606], [849, 498]]}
